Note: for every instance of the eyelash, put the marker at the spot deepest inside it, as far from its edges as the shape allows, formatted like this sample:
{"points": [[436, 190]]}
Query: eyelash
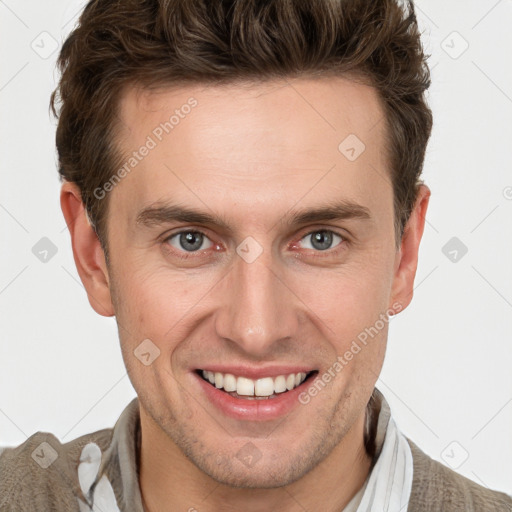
{"points": [[183, 255]]}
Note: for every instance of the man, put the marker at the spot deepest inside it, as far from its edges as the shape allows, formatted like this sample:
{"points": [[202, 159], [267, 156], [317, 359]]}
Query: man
{"points": [[241, 185]]}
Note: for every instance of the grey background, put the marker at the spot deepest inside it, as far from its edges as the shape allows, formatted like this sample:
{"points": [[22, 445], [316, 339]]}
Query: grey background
{"points": [[447, 373]]}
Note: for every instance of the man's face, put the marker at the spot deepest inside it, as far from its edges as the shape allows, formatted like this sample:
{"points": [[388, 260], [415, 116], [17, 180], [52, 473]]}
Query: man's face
{"points": [[254, 294]]}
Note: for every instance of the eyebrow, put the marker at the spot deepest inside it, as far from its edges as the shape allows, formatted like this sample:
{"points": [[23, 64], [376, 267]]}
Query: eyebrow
{"points": [[160, 214]]}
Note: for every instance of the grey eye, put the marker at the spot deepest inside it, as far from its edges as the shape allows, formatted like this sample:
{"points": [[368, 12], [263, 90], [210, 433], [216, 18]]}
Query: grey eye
{"points": [[189, 241], [321, 240]]}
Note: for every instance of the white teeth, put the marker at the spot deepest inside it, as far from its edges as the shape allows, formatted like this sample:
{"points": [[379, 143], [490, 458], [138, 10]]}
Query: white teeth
{"points": [[244, 386], [280, 384], [229, 382], [263, 387]]}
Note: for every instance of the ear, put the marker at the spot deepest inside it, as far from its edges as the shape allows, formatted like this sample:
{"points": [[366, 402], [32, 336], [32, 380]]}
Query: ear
{"points": [[406, 261], [87, 250]]}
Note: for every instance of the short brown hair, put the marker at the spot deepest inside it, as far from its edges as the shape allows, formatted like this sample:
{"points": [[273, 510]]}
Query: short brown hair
{"points": [[154, 43]]}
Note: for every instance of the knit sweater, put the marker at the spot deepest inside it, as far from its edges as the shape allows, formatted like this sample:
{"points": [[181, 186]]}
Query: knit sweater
{"points": [[42, 474]]}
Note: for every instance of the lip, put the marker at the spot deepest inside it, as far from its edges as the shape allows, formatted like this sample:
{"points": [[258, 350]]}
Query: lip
{"points": [[252, 410]]}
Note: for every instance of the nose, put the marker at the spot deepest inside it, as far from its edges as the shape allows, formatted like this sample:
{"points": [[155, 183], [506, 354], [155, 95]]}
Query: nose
{"points": [[259, 311]]}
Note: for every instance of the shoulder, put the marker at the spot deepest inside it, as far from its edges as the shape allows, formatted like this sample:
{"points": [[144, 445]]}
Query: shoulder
{"points": [[42, 473], [435, 487]]}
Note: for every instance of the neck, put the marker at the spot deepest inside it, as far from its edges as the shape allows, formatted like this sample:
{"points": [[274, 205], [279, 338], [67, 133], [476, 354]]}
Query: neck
{"points": [[169, 481]]}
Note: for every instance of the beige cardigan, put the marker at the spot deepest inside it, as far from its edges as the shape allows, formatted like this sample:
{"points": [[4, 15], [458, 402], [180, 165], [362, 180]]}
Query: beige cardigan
{"points": [[25, 485]]}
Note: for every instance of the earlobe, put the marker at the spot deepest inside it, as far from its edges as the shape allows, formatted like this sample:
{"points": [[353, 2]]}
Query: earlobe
{"points": [[87, 251], [407, 256]]}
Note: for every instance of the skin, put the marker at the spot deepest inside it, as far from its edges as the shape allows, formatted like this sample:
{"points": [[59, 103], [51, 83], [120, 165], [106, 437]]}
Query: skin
{"points": [[252, 155]]}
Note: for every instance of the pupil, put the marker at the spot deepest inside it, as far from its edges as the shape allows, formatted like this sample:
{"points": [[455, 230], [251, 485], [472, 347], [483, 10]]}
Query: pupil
{"points": [[188, 238], [324, 238]]}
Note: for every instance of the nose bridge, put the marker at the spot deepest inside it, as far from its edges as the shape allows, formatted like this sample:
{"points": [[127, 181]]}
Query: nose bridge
{"points": [[258, 308]]}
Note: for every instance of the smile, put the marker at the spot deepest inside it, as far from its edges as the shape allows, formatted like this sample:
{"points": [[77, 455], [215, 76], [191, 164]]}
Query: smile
{"points": [[254, 389]]}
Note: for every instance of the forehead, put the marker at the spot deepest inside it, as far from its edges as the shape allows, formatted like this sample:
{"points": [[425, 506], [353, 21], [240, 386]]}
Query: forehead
{"points": [[330, 107], [266, 142]]}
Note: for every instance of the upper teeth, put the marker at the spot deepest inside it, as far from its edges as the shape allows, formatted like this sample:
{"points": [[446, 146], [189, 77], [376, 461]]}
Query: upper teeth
{"points": [[259, 387]]}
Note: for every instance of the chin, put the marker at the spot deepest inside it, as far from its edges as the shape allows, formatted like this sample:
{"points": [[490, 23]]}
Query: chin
{"points": [[265, 477], [250, 468]]}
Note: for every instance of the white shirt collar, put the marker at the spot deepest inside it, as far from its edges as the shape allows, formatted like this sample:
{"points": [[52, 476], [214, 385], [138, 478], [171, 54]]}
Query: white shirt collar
{"points": [[388, 486]]}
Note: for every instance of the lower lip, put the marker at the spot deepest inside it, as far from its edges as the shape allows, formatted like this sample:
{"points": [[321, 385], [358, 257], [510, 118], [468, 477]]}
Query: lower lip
{"points": [[253, 410]]}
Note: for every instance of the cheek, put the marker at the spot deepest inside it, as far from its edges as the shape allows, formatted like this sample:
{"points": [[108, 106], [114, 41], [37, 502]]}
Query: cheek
{"points": [[351, 305], [349, 299], [155, 302]]}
